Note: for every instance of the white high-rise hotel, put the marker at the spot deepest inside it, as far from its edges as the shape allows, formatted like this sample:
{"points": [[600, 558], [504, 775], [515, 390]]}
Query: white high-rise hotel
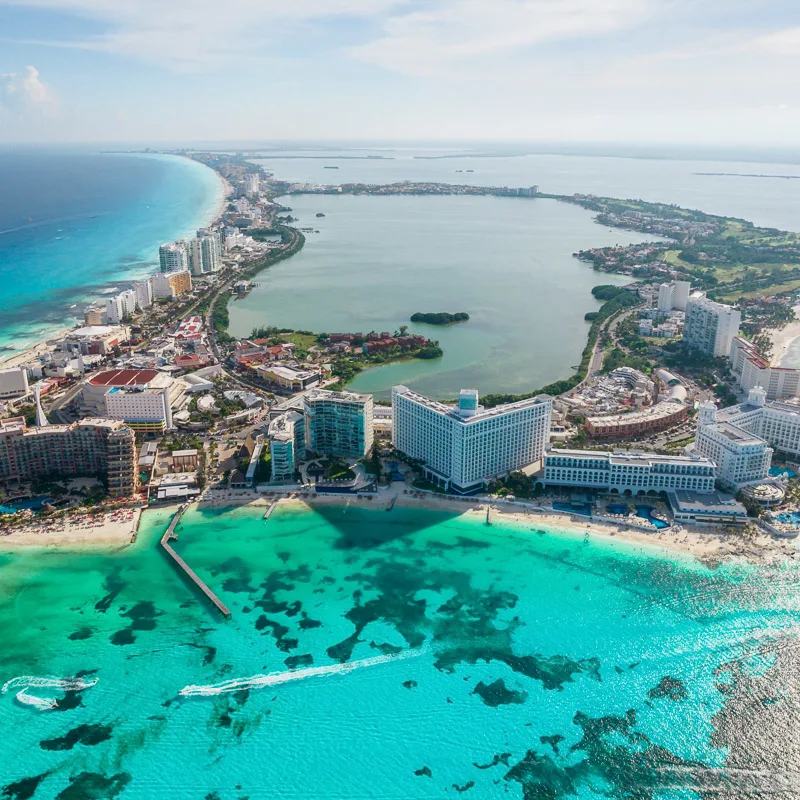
{"points": [[711, 327], [462, 447]]}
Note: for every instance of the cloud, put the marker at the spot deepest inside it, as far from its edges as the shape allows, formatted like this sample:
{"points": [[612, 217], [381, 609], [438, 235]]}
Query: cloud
{"points": [[425, 42], [22, 92], [197, 35]]}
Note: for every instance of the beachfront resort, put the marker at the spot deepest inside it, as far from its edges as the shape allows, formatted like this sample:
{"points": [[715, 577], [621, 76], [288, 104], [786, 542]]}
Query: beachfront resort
{"points": [[180, 410]]}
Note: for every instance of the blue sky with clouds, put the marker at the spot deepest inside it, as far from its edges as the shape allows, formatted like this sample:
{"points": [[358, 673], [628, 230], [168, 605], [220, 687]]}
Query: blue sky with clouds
{"points": [[718, 71]]}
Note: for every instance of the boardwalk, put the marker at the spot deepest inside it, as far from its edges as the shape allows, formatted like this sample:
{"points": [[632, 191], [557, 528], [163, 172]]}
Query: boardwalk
{"points": [[186, 569]]}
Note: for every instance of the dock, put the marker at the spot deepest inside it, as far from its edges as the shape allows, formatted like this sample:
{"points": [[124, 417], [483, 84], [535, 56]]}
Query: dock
{"points": [[272, 506], [489, 515], [187, 571]]}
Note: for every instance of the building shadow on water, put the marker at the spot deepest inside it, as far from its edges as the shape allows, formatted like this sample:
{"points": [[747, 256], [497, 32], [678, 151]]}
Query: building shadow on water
{"points": [[365, 528]]}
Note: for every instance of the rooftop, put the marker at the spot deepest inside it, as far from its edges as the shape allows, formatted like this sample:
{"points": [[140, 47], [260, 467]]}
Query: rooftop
{"points": [[337, 397], [123, 377], [481, 414]]}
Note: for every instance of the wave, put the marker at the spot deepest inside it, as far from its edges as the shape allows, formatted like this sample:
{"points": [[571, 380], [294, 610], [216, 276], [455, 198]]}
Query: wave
{"points": [[42, 703], [276, 678], [32, 681]]}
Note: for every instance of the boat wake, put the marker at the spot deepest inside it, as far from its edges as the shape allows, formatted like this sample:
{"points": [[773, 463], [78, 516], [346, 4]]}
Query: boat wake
{"points": [[42, 703], [277, 678], [25, 682]]}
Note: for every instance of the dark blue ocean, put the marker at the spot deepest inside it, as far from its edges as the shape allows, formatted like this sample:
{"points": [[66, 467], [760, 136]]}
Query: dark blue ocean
{"points": [[75, 223]]}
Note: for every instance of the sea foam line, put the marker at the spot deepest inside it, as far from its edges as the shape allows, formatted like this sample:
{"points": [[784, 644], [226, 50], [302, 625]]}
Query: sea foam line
{"points": [[276, 678]]}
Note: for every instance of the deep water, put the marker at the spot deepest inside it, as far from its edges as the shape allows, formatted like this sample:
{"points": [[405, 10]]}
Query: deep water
{"points": [[533, 665], [73, 223]]}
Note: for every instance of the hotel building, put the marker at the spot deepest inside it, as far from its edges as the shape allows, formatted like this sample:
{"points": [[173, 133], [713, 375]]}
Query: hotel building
{"points": [[673, 296], [89, 447], [13, 383], [627, 472], [462, 447], [143, 398], [741, 457], [287, 445], [711, 327], [171, 284], [173, 257], [338, 423], [295, 380], [752, 369], [749, 432]]}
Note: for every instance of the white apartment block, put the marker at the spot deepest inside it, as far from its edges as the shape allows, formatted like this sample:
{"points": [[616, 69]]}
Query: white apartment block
{"points": [[464, 446], [673, 296], [173, 257], [13, 383], [338, 423], [144, 294], [627, 472], [286, 444], [751, 370], [711, 327], [115, 310], [128, 300], [742, 458]]}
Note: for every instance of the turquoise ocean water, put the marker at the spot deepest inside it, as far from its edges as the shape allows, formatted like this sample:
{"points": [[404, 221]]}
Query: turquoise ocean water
{"points": [[73, 223], [521, 665]]}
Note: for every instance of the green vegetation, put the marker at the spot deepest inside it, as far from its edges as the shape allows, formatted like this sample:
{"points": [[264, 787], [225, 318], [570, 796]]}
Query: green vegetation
{"points": [[619, 358], [591, 316], [440, 317], [607, 291], [517, 484], [220, 319], [430, 350]]}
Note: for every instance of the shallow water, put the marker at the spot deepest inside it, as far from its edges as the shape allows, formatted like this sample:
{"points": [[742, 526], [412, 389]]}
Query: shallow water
{"points": [[543, 665]]}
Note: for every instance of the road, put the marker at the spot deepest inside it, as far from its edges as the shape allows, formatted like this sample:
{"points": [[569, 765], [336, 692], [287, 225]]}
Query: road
{"points": [[598, 354]]}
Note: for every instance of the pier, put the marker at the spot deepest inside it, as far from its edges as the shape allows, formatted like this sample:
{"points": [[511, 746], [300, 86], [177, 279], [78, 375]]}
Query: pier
{"points": [[187, 571], [489, 514], [272, 506]]}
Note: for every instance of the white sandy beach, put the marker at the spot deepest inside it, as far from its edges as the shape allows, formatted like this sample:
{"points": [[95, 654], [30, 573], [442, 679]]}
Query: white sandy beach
{"points": [[101, 530], [708, 544], [782, 339]]}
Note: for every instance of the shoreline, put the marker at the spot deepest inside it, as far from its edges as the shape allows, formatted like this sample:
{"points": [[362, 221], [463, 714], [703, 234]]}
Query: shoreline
{"points": [[59, 330], [709, 546], [784, 338], [102, 531]]}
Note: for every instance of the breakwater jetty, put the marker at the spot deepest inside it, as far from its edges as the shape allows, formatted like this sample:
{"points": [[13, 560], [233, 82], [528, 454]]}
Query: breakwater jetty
{"points": [[185, 569]]}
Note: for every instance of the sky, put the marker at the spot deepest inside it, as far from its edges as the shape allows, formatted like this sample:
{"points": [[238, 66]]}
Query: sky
{"points": [[714, 72]]}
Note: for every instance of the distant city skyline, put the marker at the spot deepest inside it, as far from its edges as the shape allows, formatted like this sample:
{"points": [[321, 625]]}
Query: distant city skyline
{"points": [[666, 71]]}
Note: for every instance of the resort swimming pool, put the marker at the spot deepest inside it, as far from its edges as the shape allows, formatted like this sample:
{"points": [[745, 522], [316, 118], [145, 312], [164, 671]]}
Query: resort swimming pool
{"points": [[31, 503], [775, 471], [645, 512], [789, 518], [584, 510]]}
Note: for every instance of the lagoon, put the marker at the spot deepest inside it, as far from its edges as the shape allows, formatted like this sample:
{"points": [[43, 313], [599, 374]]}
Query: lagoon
{"points": [[507, 262]]}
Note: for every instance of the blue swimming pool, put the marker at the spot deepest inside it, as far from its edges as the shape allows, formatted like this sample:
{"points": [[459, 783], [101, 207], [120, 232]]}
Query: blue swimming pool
{"points": [[584, 510], [645, 512], [32, 503], [789, 518], [775, 471]]}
